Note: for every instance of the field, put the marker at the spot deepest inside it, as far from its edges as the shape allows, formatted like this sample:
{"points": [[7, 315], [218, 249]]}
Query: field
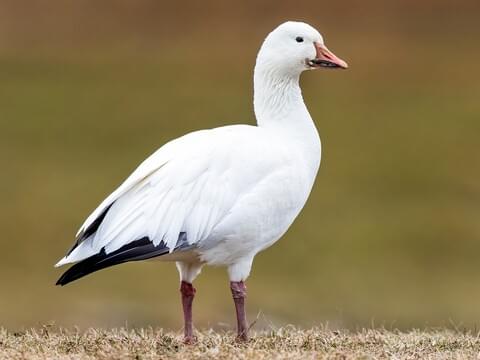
{"points": [[390, 234], [283, 343]]}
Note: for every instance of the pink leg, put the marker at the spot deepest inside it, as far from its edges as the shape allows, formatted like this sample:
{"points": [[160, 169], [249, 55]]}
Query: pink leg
{"points": [[239, 293], [188, 293]]}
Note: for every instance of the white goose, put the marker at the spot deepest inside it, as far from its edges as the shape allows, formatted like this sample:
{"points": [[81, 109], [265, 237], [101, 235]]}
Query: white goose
{"points": [[218, 196]]}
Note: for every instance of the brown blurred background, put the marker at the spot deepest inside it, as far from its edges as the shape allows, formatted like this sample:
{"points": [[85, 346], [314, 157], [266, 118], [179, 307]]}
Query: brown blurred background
{"points": [[391, 233]]}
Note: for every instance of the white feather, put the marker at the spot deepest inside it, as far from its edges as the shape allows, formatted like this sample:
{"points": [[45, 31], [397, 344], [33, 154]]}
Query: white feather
{"points": [[232, 190]]}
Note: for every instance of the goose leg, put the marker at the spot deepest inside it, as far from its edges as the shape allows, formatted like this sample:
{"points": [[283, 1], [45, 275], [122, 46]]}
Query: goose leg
{"points": [[239, 293], [188, 293], [188, 272]]}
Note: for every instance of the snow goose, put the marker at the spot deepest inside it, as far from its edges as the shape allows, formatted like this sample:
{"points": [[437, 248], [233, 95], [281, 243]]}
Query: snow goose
{"points": [[218, 196]]}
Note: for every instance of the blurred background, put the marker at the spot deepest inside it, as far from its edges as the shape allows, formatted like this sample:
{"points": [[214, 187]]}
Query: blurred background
{"points": [[391, 233]]}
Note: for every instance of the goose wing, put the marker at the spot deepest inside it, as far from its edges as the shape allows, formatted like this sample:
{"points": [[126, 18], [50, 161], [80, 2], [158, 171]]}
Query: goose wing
{"points": [[170, 202]]}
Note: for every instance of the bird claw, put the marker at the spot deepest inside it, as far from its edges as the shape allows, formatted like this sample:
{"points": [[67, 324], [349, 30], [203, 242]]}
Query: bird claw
{"points": [[190, 340], [242, 338]]}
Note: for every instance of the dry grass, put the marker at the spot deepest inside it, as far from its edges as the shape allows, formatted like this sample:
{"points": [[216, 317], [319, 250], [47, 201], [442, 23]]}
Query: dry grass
{"points": [[285, 343]]}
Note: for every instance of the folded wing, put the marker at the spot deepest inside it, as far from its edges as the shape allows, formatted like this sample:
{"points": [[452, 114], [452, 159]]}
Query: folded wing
{"points": [[170, 203]]}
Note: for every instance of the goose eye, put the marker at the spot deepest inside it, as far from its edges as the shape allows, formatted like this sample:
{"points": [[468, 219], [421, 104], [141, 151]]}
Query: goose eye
{"points": [[299, 39]]}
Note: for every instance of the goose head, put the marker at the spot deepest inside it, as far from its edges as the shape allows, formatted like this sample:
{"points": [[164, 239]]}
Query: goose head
{"points": [[294, 47]]}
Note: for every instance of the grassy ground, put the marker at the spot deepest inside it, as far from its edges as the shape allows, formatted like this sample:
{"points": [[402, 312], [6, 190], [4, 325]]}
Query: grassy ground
{"points": [[285, 343], [391, 231]]}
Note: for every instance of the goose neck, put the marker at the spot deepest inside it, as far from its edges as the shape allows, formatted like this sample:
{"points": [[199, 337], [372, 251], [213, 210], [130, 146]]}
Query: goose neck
{"points": [[278, 98]]}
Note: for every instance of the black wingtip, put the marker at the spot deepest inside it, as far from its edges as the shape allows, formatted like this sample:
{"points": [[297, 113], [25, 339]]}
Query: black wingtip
{"points": [[83, 268], [136, 250], [70, 275]]}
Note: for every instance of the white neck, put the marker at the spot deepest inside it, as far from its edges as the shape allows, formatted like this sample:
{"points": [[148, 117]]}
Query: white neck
{"points": [[278, 101], [277, 97], [279, 106]]}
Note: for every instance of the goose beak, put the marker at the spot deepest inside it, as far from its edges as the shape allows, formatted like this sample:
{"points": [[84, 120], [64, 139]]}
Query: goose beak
{"points": [[325, 58]]}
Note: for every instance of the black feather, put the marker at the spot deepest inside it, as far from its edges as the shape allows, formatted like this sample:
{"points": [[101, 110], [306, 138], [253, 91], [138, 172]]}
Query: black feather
{"points": [[141, 249], [91, 229]]}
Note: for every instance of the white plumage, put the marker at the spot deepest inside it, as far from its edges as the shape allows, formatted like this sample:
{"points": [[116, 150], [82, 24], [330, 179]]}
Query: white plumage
{"points": [[219, 196], [212, 185]]}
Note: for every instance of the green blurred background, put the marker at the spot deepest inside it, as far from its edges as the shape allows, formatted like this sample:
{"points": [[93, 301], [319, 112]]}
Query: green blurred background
{"points": [[391, 233]]}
